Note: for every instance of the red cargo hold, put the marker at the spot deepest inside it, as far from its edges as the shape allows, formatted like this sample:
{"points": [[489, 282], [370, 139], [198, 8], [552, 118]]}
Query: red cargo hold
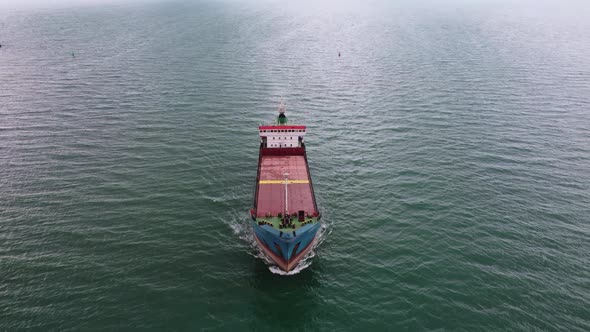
{"points": [[271, 185]]}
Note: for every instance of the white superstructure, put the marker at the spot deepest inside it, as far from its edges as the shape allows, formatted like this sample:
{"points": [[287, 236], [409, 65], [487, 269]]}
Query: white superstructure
{"points": [[280, 136]]}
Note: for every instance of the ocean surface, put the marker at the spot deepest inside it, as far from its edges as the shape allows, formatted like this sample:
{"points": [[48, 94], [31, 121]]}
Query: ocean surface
{"points": [[449, 145]]}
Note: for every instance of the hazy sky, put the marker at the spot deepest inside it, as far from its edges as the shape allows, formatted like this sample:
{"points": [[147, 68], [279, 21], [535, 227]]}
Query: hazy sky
{"points": [[7, 5], [22, 4]]}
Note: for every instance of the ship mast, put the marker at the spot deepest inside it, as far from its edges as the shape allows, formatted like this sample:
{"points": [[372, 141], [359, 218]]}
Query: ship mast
{"points": [[286, 194], [282, 119]]}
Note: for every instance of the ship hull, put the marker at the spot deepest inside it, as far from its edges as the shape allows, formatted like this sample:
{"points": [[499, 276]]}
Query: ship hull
{"points": [[286, 253]]}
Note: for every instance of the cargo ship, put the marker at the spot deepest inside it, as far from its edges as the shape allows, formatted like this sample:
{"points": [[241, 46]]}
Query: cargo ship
{"points": [[285, 217]]}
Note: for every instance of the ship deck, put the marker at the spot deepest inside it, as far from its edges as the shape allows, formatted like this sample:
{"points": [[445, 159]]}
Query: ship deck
{"points": [[271, 185]]}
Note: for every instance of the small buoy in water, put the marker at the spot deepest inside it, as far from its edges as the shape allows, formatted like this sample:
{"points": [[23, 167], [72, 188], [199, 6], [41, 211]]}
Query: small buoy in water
{"points": [[73, 56], [338, 53]]}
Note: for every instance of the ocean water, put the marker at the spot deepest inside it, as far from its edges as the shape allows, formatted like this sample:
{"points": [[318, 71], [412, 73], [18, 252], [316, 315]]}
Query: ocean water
{"points": [[449, 146]]}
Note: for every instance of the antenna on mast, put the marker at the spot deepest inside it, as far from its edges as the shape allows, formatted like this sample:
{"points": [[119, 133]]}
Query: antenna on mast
{"points": [[282, 119]]}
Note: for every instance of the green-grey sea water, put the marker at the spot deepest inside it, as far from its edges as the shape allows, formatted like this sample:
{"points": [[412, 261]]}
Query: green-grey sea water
{"points": [[449, 146]]}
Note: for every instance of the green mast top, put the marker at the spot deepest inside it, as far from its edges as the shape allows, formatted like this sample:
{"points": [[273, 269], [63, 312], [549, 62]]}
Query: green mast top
{"points": [[282, 119]]}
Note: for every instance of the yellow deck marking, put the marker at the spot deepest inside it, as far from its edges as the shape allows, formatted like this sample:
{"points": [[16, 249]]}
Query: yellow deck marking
{"points": [[282, 181]]}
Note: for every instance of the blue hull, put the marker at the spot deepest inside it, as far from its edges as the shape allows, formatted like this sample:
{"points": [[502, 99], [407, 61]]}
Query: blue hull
{"points": [[286, 248]]}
